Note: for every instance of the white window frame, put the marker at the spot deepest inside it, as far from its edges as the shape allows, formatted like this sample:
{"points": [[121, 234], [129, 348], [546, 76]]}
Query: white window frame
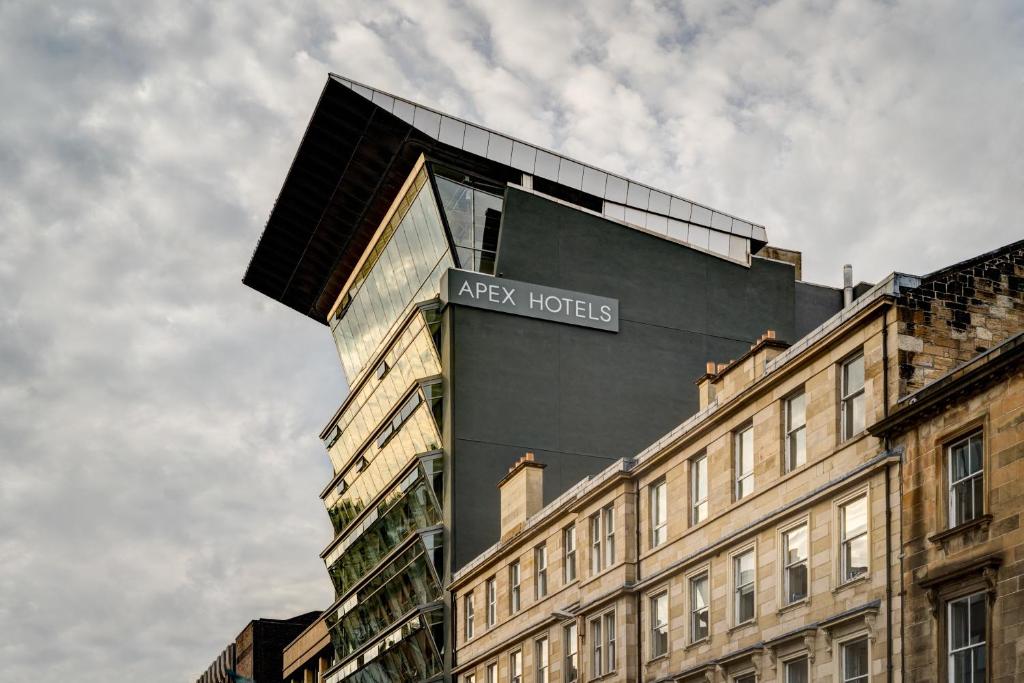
{"points": [[608, 522], [570, 651], [569, 554], [602, 644], [951, 483], [848, 396], [542, 660], [515, 666], [491, 600], [698, 463], [784, 597], [741, 477], [970, 647], [734, 559], [540, 571], [469, 616], [655, 625], [840, 648], [691, 613], [596, 545], [657, 506], [515, 582], [842, 572], [790, 431]]}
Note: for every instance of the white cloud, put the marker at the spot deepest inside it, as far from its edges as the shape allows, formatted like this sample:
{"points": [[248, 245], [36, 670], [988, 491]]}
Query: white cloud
{"points": [[160, 467]]}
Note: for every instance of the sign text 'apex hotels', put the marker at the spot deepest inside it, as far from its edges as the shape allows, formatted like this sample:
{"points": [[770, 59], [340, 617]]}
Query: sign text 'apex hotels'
{"points": [[533, 301]]}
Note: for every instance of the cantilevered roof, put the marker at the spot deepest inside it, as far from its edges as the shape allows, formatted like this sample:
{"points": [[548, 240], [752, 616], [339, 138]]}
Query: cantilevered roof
{"points": [[358, 148]]}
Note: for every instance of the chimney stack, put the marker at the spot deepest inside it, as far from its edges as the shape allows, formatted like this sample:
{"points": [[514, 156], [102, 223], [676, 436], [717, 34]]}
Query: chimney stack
{"points": [[847, 285], [522, 494]]}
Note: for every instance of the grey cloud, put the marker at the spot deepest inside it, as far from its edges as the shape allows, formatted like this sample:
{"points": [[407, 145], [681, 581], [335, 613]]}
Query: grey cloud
{"points": [[160, 465]]}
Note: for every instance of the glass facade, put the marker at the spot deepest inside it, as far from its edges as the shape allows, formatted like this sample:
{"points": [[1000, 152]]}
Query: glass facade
{"points": [[405, 583], [403, 267], [474, 218], [410, 652], [384, 459], [404, 511], [411, 357]]}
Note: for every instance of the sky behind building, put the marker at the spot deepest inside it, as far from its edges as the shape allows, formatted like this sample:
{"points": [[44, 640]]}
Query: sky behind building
{"points": [[160, 468]]}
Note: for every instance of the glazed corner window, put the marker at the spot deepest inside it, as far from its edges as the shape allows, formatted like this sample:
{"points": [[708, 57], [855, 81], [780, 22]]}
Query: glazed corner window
{"points": [[743, 463], [602, 539], [570, 645], [794, 562], [796, 671], [854, 661], [743, 586], [540, 659], [853, 530], [658, 512], [659, 624], [967, 619], [569, 554], [469, 615], [492, 601], [796, 428], [698, 489], [700, 617], [852, 408], [515, 667], [602, 638], [540, 571], [966, 480], [514, 601]]}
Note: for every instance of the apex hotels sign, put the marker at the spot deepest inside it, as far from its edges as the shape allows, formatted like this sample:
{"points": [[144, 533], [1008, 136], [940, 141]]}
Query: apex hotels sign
{"points": [[532, 301]]}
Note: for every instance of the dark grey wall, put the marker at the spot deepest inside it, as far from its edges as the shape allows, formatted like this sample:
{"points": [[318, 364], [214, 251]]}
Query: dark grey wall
{"points": [[814, 305], [582, 398]]}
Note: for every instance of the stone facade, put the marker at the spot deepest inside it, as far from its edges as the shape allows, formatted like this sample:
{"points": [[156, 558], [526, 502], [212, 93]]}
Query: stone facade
{"points": [[848, 534], [307, 658]]}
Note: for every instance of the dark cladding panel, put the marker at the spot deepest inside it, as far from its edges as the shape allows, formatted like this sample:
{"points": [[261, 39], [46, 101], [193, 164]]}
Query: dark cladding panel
{"points": [[814, 305]]}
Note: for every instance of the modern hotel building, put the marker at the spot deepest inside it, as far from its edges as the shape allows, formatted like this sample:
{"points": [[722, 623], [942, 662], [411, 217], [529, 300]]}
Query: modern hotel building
{"points": [[488, 297]]}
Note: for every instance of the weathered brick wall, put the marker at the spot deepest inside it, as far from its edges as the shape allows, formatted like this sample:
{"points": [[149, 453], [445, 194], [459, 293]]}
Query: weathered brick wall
{"points": [[958, 312]]}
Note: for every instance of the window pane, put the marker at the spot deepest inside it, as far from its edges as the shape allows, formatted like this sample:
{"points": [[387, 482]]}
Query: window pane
{"points": [[855, 517], [855, 660], [853, 375], [796, 671], [857, 557]]}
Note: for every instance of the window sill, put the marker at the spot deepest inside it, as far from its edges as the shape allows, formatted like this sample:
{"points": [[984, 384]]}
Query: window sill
{"points": [[852, 582], [604, 676], [656, 660], [697, 643], [794, 605], [740, 627], [943, 537]]}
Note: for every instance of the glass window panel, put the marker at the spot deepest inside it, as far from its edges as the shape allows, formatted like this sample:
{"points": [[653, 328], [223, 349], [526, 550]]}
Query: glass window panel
{"points": [[721, 222], [615, 189], [452, 132], [499, 149], [636, 217], [679, 209], [699, 237], [546, 165], [796, 671], [616, 211], [570, 174], [719, 243], [427, 121], [742, 228], [385, 102], [739, 247], [638, 196], [594, 181], [658, 224], [658, 203], [475, 140], [678, 230], [523, 157], [700, 215]]}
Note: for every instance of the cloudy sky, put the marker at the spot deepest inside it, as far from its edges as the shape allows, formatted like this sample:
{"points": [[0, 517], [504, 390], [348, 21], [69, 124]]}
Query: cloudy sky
{"points": [[159, 465]]}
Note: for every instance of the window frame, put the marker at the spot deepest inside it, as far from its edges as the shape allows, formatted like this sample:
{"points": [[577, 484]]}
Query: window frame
{"points": [[738, 478], [540, 571], [570, 651], [516, 656], [652, 626], [489, 669], [601, 528], [703, 572], [542, 645], [784, 579], [695, 503], [841, 540], [947, 632], [515, 587], [788, 430], [734, 559], [789, 661], [608, 522], [657, 512], [569, 554], [603, 660], [840, 645], [491, 601], [468, 616], [951, 501], [847, 398]]}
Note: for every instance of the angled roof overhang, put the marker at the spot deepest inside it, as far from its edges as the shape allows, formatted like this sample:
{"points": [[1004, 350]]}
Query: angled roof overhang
{"points": [[358, 149]]}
